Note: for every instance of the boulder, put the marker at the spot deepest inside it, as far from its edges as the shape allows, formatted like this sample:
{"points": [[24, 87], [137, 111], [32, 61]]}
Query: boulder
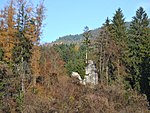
{"points": [[76, 74]]}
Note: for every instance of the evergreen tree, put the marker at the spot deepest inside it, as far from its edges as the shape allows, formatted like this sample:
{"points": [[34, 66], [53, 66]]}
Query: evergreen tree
{"points": [[107, 50], [74, 57], [1, 54], [87, 35], [138, 53], [23, 45], [118, 34], [102, 57], [118, 25]]}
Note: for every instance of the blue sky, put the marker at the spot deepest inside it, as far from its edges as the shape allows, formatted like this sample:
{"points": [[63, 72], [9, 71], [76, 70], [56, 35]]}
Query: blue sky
{"points": [[64, 17]]}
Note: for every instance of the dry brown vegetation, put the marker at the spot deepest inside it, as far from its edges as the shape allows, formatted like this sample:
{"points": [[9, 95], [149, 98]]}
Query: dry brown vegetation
{"points": [[34, 78], [68, 96]]}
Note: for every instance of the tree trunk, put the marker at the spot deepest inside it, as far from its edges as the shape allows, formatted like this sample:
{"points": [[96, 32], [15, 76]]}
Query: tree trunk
{"points": [[107, 75], [103, 66], [22, 76], [22, 85], [34, 80], [100, 64], [86, 57], [118, 70]]}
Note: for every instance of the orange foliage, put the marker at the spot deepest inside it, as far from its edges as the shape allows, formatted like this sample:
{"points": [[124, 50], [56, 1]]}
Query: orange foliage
{"points": [[7, 34], [52, 63], [35, 32]]}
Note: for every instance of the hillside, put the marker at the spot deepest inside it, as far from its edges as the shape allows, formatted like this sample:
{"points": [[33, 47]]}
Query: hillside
{"points": [[79, 37], [74, 38]]}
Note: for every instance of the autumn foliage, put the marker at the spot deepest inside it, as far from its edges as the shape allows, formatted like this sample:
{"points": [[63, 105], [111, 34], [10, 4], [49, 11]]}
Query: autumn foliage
{"points": [[36, 78]]}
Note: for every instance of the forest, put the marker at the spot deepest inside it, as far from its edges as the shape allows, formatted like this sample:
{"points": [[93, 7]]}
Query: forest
{"points": [[36, 78]]}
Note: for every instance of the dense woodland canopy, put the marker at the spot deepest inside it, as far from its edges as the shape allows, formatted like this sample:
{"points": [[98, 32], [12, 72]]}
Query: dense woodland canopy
{"points": [[36, 78]]}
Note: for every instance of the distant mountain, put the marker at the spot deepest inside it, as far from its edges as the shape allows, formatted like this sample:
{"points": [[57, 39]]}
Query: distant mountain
{"points": [[74, 38], [79, 37], [70, 39]]}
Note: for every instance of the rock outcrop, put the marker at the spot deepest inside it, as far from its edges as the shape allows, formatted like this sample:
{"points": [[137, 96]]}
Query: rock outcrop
{"points": [[91, 76]]}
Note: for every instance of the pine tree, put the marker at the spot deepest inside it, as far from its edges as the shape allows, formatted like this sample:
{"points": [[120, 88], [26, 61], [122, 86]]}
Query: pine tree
{"points": [[138, 53], [22, 49], [1, 53], [118, 25], [87, 35], [118, 33], [101, 44], [106, 51]]}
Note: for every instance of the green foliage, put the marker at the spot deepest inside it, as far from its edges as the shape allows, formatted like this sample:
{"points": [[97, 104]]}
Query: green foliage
{"points": [[70, 39], [1, 54], [113, 39], [76, 65], [118, 27], [138, 54], [74, 57], [2, 93], [22, 48], [20, 101], [76, 39], [132, 51], [8, 87], [86, 35], [3, 71], [86, 41]]}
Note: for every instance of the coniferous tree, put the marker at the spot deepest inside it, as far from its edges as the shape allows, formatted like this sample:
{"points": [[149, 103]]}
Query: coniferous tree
{"points": [[1, 54], [107, 53], [36, 54], [138, 53], [87, 35], [20, 31], [101, 44], [2, 29], [74, 57], [23, 47], [7, 31], [1, 34], [10, 38], [118, 26], [118, 33]]}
